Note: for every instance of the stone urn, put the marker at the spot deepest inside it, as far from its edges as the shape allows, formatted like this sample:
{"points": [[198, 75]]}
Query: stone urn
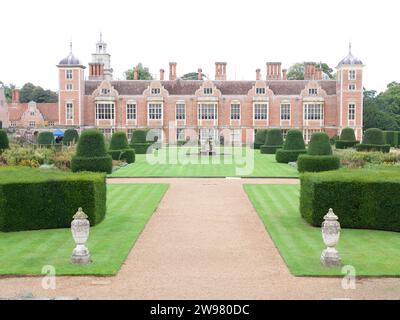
{"points": [[331, 234], [80, 228]]}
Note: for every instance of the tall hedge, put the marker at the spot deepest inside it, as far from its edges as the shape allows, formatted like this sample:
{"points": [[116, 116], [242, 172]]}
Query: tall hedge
{"points": [[33, 199], [91, 154], [374, 140], [70, 136], [260, 137], [293, 146], [273, 142], [362, 199], [392, 138], [4, 143], [45, 138], [139, 142], [119, 148], [347, 139], [319, 145]]}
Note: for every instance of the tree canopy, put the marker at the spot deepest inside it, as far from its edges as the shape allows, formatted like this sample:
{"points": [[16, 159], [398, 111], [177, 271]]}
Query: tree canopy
{"points": [[143, 72], [8, 88], [30, 92], [192, 76], [296, 71]]}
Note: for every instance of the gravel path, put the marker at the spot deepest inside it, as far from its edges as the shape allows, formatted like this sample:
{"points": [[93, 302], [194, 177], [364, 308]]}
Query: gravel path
{"points": [[205, 241]]}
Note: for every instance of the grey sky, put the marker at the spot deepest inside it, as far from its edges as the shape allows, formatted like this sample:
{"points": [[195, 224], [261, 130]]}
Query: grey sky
{"points": [[246, 34]]}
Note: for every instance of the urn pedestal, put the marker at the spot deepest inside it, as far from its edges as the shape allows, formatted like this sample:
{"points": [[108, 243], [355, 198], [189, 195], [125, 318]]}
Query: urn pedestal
{"points": [[80, 228], [331, 234]]}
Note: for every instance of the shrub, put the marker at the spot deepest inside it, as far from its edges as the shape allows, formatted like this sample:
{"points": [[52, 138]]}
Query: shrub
{"points": [[45, 138], [361, 198], [119, 141], [4, 143], [319, 145], [333, 140], [294, 146], [91, 153], [341, 144], [348, 134], [127, 155], [139, 136], [261, 136], [374, 136], [373, 147], [1, 125], [33, 199], [139, 143], [308, 163], [141, 148], [273, 142], [71, 136], [355, 159], [286, 156], [392, 138]]}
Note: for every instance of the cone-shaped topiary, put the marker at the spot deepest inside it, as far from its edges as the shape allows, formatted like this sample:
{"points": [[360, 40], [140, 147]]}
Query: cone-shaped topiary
{"points": [[139, 136], [347, 139], [294, 146], [374, 140], [273, 142], [119, 148], [260, 137], [319, 156], [139, 141], [91, 154], [71, 136], [45, 138], [4, 143]]}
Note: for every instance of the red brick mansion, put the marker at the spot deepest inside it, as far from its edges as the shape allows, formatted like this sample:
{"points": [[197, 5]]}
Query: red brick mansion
{"points": [[180, 108]]}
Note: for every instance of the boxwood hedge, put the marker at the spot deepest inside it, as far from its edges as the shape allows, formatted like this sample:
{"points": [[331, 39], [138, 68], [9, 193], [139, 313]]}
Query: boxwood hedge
{"points": [[33, 199], [361, 198], [71, 136], [119, 141], [260, 137], [139, 142], [374, 140], [307, 163], [392, 138], [294, 146], [273, 142], [4, 143], [373, 147], [127, 155], [347, 139], [45, 138]]}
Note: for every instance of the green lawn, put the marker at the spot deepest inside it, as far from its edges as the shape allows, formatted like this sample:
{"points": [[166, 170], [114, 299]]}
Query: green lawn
{"points": [[239, 162], [129, 207], [372, 253]]}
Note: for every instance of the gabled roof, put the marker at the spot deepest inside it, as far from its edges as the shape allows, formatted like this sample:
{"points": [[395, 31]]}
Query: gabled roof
{"points": [[48, 110]]}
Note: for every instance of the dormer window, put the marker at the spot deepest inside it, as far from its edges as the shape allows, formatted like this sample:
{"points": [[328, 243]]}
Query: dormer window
{"points": [[68, 74], [105, 91], [155, 91], [260, 90], [313, 91], [208, 91], [352, 75]]}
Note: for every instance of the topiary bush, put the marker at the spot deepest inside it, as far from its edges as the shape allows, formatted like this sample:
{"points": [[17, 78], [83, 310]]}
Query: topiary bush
{"points": [[319, 156], [392, 138], [119, 141], [71, 136], [91, 154], [374, 140], [34, 199], [294, 146], [45, 138], [361, 198], [273, 142], [127, 155], [260, 137], [4, 143], [139, 143], [347, 139]]}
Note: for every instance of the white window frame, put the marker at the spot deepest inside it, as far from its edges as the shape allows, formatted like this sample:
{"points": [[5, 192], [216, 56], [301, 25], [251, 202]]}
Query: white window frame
{"points": [[69, 74], [285, 115], [207, 111], [69, 111], [307, 134], [208, 91], [105, 111], [235, 111], [155, 91], [69, 87], [261, 90], [313, 91], [352, 87], [352, 112], [284, 133], [314, 111], [259, 111], [180, 134], [352, 75], [155, 111], [180, 111], [32, 124], [107, 132], [131, 111]]}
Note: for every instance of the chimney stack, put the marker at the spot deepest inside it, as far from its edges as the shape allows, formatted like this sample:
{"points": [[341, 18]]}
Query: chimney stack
{"points": [[220, 71], [16, 96], [172, 71], [135, 74], [309, 70], [199, 74], [162, 71], [96, 71], [274, 70], [258, 74], [318, 73], [284, 74]]}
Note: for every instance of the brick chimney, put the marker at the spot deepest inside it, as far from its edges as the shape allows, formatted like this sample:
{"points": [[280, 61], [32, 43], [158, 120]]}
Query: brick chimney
{"points": [[258, 74], [162, 71], [135, 74], [96, 70], [199, 74], [15, 96], [274, 70], [220, 70], [309, 70], [172, 71], [318, 73], [284, 74]]}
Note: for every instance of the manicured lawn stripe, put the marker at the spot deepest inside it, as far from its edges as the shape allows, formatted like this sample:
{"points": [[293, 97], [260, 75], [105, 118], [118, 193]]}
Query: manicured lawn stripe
{"points": [[129, 207], [372, 253]]}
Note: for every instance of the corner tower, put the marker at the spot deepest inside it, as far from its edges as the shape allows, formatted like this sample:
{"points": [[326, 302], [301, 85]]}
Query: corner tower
{"points": [[100, 67], [349, 87], [71, 74]]}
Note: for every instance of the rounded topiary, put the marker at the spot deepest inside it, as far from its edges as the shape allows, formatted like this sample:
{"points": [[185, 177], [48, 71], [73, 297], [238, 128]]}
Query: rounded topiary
{"points": [[45, 138], [374, 136], [260, 137], [139, 141], [4, 143], [319, 145], [392, 138], [294, 146], [139, 136], [127, 155], [91, 154], [119, 141], [71, 136], [273, 142], [348, 134]]}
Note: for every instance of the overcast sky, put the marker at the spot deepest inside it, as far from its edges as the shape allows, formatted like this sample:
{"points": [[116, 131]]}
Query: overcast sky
{"points": [[246, 34]]}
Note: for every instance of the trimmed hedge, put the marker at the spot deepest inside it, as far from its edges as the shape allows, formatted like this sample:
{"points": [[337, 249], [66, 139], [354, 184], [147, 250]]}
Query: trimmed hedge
{"points": [[374, 136], [139, 136], [392, 138], [319, 145], [308, 163], [91, 153], [34, 199], [269, 149], [70, 136], [347, 139], [4, 143], [362, 199], [342, 144], [126, 154], [273, 142], [141, 148], [286, 156], [119, 141], [45, 138], [260, 137], [293, 147], [373, 147]]}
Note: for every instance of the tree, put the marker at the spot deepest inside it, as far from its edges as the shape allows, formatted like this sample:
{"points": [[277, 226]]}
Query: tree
{"points": [[296, 71], [30, 92], [8, 88], [192, 76], [143, 72]]}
